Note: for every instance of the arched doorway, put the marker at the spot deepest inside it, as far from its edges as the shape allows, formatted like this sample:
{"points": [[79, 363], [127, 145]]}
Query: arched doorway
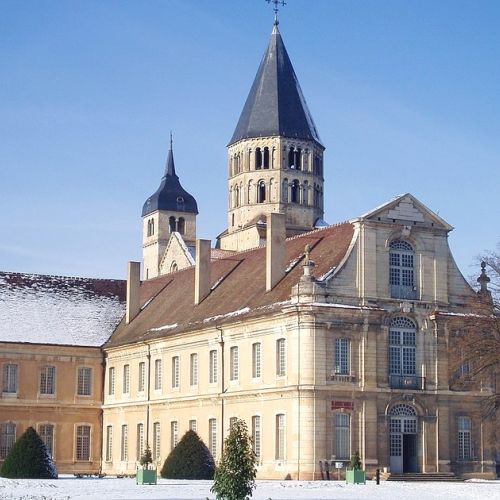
{"points": [[403, 438]]}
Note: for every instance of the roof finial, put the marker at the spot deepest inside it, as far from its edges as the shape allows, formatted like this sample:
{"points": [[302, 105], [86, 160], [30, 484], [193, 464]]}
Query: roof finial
{"points": [[276, 9], [171, 141], [483, 279]]}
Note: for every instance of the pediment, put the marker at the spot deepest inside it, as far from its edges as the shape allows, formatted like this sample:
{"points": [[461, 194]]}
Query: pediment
{"points": [[406, 209], [176, 252]]}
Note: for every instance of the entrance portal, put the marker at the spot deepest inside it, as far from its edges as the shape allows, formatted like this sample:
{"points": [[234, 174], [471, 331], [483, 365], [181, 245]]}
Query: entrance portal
{"points": [[403, 439]]}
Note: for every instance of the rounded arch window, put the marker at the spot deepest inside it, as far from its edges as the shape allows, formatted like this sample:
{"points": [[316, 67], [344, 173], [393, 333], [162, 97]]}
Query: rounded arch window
{"points": [[174, 267], [402, 410], [295, 192], [402, 270], [261, 192], [171, 224], [402, 354], [181, 225]]}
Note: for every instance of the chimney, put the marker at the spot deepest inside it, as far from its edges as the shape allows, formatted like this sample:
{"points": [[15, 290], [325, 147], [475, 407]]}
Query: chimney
{"points": [[202, 271], [133, 285], [275, 249]]}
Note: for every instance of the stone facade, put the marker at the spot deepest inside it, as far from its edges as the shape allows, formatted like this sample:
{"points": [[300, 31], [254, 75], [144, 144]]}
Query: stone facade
{"points": [[331, 377], [64, 412]]}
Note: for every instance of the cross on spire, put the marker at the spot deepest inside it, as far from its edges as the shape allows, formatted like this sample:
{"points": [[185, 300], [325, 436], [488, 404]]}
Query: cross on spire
{"points": [[276, 9]]}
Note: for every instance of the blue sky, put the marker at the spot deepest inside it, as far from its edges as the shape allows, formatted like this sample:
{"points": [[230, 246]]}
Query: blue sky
{"points": [[405, 95]]}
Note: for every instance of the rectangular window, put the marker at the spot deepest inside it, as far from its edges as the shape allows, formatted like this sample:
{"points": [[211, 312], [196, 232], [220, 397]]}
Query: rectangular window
{"points": [[232, 421], [46, 432], [111, 380], [156, 441], [140, 441], [234, 368], [256, 360], [109, 443], [126, 379], [124, 444], [464, 438], [83, 443], [256, 435], [157, 374], [212, 437], [193, 426], [280, 437], [175, 372], [7, 438], [142, 376], [281, 357], [342, 432], [9, 379], [193, 369], [174, 434], [342, 356], [213, 367], [84, 381], [47, 380]]}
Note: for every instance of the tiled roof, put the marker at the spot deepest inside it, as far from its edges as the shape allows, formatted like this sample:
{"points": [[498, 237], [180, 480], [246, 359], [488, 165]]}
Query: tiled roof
{"points": [[61, 310], [238, 287]]}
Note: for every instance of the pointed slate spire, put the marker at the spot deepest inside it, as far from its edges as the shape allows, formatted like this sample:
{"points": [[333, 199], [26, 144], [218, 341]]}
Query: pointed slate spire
{"points": [[170, 195], [170, 167], [275, 105]]}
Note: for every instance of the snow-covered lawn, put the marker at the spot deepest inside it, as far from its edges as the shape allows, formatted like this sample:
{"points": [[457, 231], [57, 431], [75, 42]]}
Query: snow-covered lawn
{"points": [[68, 487]]}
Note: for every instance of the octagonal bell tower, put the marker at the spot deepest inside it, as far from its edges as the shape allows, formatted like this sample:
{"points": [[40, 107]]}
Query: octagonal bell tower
{"points": [[275, 156]]}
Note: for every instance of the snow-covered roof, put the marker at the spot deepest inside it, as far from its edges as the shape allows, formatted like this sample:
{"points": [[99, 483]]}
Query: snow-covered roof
{"points": [[61, 310]]}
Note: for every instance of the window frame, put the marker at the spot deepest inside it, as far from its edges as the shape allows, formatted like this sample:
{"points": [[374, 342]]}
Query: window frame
{"points": [[281, 357], [10, 381], [126, 379], [234, 364], [213, 375], [7, 439], [257, 360], [176, 372], [193, 369], [47, 380], [43, 436], [85, 392], [280, 437], [158, 374], [81, 441]]}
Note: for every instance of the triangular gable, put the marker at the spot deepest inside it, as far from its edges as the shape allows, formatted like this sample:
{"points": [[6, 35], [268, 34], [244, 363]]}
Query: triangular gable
{"points": [[406, 208], [176, 252]]}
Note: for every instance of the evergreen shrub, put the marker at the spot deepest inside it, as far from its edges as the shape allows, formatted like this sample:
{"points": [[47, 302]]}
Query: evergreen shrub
{"points": [[190, 459], [235, 474], [29, 459]]}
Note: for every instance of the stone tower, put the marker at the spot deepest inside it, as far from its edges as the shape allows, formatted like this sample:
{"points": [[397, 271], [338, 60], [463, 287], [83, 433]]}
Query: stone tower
{"points": [[170, 209], [275, 157]]}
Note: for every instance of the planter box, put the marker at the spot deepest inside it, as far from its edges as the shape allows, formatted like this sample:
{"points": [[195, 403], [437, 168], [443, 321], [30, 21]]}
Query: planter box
{"points": [[355, 476], [145, 476]]}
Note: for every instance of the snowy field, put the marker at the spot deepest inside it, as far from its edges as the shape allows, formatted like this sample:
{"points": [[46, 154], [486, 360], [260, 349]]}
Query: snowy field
{"points": [[68, 487]]}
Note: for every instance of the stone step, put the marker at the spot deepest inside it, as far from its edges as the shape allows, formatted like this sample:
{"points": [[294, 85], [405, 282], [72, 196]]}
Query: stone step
{"points": [[418, 476]]}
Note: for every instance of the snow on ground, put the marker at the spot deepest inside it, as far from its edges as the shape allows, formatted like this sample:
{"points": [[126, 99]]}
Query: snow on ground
{"points": [[71, 488]]}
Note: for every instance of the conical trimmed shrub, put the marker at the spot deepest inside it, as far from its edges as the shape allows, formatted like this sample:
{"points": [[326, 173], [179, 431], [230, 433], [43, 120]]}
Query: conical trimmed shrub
{"points": [[29, 459], [190, 459]]}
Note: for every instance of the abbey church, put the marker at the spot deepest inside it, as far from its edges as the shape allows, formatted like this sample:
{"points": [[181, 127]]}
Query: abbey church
{"points": [[325, 339]]}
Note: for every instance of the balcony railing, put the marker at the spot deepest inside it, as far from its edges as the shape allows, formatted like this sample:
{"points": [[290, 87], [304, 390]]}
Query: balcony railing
{"points": [[407, 382], [404, 292], [339, 377]]}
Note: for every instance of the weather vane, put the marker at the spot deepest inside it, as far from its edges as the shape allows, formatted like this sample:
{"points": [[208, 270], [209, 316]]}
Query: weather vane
{"points": [[276, 9]]}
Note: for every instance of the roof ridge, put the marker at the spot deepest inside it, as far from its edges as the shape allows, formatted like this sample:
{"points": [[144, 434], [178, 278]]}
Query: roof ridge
{"points": [[79, 278]]}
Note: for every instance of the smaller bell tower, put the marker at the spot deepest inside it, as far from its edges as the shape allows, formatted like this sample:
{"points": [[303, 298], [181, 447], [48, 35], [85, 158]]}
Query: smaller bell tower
{"points": [[170, 209]]}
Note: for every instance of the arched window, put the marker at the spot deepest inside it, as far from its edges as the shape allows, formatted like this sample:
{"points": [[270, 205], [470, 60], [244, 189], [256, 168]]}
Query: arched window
{"points": [[266, 158], [171, 224], [298, 159], [232, 219], [181, 225], [273, 158], [305, 160], [295, 192], [402, 355], [236, 196], [285, 191], [261, 192], [149, 228], [401, 270], [305, 196], [291, 158], [258, 159], [173, 267]]}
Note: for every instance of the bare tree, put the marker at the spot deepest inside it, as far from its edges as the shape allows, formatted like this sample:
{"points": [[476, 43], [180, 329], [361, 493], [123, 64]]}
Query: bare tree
{"points": [[475, 354]]}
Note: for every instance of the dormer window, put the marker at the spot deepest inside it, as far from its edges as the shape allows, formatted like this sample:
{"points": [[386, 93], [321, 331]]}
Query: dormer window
{"points": [[180, 200], [401, 270]]}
